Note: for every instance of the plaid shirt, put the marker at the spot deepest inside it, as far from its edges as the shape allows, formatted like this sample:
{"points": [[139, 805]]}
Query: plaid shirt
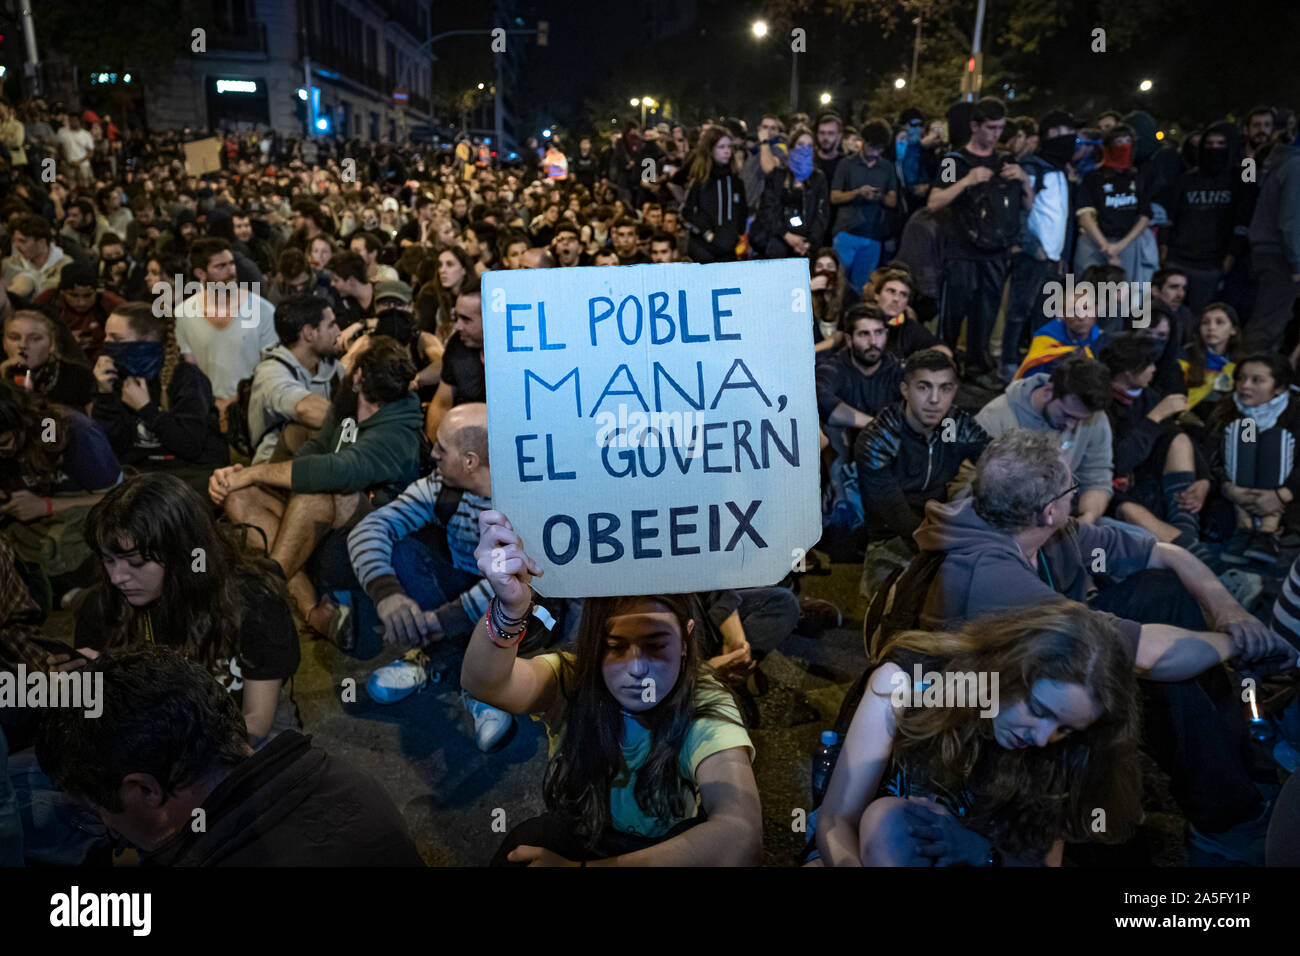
{"points": [[19, 615]]}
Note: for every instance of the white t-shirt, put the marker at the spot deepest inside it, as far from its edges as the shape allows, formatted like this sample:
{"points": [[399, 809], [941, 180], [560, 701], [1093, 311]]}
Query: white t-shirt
{"points": [[77, 144], [227, 355]]}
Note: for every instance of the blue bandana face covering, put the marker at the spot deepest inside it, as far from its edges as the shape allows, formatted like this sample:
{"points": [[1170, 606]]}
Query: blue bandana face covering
{"points": [[136, 359], [801, 162]]}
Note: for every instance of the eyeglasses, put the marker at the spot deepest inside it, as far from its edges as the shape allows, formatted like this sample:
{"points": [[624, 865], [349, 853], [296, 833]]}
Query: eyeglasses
{"points": [[1068, 491]]}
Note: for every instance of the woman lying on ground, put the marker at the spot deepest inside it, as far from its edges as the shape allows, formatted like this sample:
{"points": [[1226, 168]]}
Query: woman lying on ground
{"points": [[649, 762]]}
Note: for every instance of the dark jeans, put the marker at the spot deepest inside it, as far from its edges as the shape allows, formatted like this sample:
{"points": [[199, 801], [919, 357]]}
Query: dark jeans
{"points": [[768, 615], [429, 578], [1275, 295], [1192, 728], [556, 833], [1028, 274], [972, 288]]}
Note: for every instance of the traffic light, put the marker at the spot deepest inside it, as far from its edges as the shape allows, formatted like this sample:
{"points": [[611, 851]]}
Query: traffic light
{"points": [[972, 78], [543, 32]]}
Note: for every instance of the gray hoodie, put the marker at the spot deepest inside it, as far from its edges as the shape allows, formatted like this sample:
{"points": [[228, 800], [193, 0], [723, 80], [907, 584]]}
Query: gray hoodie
{"points": [[1088, 450], [984, 570]]}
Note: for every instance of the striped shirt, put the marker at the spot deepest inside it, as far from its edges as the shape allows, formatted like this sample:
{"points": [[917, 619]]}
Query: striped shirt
{"points": [[370, 545], [1286, 609]]}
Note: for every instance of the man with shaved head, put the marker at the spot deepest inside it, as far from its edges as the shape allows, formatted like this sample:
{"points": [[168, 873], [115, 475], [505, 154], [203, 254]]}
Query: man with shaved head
{"points": [[537, 258], [415, 560]]}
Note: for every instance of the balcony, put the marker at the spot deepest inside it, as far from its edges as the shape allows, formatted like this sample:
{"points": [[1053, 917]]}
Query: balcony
{"points": [[350, 67]]}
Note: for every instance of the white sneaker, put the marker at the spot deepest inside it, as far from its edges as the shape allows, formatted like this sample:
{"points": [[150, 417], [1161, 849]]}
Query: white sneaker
{"points": [[399, 679], [492, 728]]}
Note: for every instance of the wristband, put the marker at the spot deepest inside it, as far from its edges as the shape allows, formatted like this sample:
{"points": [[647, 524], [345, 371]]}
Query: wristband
{"points": [[49, 507], [496, 638]]}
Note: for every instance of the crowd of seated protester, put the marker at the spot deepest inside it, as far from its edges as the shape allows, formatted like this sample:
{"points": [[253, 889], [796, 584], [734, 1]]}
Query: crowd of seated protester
{"points": [[246, 411]]}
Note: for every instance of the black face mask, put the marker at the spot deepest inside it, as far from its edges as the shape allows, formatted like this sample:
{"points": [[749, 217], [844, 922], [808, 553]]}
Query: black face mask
{"points": [[1215, 159], [1057, 150]]}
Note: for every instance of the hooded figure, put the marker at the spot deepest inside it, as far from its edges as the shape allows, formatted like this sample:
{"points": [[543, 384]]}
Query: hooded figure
{"points": [[1211, 215], [1159, 165]]}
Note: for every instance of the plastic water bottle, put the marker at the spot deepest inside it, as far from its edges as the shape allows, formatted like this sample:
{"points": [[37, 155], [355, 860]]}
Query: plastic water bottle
{"points": [[823, 764]]}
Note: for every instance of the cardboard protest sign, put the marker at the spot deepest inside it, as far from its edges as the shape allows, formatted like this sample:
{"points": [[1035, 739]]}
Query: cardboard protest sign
{"points": [[203, 156], [653, 429]]}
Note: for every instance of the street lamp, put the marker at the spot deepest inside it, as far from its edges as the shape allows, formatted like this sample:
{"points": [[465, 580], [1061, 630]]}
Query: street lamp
{"points": [[1144, 86], [480, 86], [825, 99], [900, 83], [760, 28], [634, 102]]}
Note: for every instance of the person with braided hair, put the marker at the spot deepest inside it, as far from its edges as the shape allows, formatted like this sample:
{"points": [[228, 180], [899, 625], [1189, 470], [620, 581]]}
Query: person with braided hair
{"points": [[156, 409]]}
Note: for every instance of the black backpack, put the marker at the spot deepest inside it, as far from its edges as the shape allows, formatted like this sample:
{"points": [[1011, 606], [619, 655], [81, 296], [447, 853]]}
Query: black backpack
{"points": [[896, 606], [987, 215], [238, 433]]}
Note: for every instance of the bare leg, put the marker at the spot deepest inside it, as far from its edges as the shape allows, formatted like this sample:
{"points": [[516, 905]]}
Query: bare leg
{"points": [[1180, 456], [883, 837], [1137, 515], [256, 506], [307, 520]]}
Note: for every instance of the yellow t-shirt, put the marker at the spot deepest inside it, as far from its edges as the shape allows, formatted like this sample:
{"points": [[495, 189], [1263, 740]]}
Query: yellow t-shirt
{"points": [[705, 738]]}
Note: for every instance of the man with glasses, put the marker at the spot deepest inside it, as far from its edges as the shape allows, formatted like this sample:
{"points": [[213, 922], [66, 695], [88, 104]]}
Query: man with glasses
{"points": [[1013, 544], [1065, 402]]}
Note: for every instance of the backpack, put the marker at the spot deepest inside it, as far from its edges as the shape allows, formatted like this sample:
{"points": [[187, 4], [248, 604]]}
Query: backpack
{"points": [[987, 215], [896, 606], [238, 433]]}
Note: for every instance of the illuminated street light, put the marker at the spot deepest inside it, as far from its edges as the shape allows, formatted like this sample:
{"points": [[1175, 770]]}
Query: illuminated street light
{"points": [[634, 101], [900, 83], [1144, 86], [480, 86], [759, 28], [825, 98]]}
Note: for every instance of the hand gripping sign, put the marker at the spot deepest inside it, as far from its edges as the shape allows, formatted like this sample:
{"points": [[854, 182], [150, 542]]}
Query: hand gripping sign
{"points": [[653, 428]]}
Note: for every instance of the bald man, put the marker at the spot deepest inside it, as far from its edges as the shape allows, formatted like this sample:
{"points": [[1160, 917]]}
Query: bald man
{"points": [[415, 560], [539, 258]]}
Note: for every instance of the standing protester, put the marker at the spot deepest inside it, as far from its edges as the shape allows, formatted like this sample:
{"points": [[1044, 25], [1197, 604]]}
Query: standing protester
{"points": [[795, 210], [716, 207], [986, 197]]}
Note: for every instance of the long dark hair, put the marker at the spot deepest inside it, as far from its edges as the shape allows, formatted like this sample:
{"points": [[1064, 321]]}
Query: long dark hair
{"points": [[35, 462], [579, 776], [164, 520], [1027, 799], [1196, 354]]}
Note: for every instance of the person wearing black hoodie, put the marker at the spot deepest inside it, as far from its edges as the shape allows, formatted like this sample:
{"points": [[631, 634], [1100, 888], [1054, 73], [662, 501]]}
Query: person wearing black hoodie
{"points": [[1210, 216], [156, 409], [715, 209], [170, 747]]}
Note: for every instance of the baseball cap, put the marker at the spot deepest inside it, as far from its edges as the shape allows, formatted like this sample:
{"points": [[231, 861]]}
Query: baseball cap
{"points": [[393, 289]]}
